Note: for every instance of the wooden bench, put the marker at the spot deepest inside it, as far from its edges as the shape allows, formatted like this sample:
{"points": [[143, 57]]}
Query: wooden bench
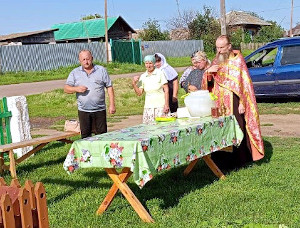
{"points": [[39, 143]]}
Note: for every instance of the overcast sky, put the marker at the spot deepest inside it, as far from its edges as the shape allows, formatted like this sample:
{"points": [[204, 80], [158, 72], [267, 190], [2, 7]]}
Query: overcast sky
{"points": [[33, 15]]}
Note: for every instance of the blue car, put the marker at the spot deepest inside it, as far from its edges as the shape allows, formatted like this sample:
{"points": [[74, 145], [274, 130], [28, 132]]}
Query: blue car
{"points": [[275, 69]]}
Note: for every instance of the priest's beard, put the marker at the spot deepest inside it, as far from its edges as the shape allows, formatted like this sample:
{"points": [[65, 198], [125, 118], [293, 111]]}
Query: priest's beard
{"points": [[223, 57]]}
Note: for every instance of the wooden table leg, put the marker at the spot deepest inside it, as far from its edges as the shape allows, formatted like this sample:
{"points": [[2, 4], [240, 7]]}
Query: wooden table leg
{"points": [[123, 176], [129, 195], [12, 164], [189, 168], [213, 167]]}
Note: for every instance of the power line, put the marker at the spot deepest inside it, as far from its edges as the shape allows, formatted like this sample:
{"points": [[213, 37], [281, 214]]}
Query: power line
{"points": [[277, 9]]}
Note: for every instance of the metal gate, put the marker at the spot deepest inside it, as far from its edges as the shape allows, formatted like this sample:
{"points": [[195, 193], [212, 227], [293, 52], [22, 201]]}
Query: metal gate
{"points": [[126, 51]]}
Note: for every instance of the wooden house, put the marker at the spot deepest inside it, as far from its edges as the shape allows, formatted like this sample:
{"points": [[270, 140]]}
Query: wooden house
{"points": [[93, 30], [26, 38], [245, 21]]}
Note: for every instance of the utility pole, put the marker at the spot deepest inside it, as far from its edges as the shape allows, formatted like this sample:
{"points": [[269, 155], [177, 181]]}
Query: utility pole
{"points": [[223, 17], [106, 32], [291, 26]]}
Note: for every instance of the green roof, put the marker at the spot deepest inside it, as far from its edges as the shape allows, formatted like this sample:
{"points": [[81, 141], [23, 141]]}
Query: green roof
{"points": [[83, 30]]}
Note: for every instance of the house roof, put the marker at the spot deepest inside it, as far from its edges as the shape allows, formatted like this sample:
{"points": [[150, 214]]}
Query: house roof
{"points": [[242, 18], [85, 29], [23, 34], [295, 30]]}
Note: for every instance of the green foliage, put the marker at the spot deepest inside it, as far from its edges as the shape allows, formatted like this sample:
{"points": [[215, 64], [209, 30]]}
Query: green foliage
{"points": [[205, 27], [151, 31], [269, 33], [236, 37], [91, 16]]}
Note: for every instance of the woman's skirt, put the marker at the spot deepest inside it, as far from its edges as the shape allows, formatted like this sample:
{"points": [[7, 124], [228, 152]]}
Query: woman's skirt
{"points": [[150, 114]]}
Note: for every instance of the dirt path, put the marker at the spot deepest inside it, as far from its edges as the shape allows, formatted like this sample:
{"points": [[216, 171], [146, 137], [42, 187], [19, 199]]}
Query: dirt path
{"points": [[271, 125], [280, 125]]}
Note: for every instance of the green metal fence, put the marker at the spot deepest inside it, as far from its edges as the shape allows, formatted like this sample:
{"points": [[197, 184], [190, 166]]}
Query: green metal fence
{"points": [[126, 51], [5, 134]]}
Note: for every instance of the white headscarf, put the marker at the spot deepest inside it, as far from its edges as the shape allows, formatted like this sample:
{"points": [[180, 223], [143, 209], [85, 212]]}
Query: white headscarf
{"points": [[169, 71]]}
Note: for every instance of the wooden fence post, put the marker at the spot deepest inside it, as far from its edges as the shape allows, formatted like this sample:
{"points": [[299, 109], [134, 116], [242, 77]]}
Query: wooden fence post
{"points": [[2, 182], [41, 203], [26, 215], [7, 212], [30, 188]]}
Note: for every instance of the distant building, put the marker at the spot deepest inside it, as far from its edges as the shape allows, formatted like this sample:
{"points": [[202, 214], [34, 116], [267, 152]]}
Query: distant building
{"points": [[245, 21], [26, 38], [137, 34], [180, 34], [295, 31], [92, 30]]}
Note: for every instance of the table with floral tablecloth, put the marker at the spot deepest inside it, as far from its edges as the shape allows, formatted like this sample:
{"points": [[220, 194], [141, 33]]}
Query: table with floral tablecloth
{"points": [[148, 149], [144, 150]]}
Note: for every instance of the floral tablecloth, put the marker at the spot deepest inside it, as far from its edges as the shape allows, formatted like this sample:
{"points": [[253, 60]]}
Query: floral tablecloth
{"points": [[148, 149]]}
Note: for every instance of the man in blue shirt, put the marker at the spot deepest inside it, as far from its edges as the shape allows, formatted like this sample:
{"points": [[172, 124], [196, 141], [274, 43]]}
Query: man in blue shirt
{"points": [[88, 82]]}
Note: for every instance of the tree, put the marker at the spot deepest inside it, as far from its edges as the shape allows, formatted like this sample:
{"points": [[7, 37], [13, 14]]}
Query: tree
{"points": [[236, 37], [151, 31], [91, 16], [205, 27], [269, 33], [183, 20]]}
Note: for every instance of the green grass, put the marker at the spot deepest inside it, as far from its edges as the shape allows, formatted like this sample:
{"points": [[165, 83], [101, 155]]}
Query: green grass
{"points": [[267, 125], [281, 108], [63, 72], [247, 52], [61, 106], [57, 104], [265, 193]]}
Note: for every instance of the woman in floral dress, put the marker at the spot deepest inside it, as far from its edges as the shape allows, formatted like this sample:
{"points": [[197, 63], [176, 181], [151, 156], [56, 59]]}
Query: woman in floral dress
{"points": [[155, 85]]}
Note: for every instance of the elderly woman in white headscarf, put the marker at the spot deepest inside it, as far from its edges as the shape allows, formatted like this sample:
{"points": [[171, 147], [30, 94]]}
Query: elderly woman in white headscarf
{"points": [[172, 77], [155, 85]]}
